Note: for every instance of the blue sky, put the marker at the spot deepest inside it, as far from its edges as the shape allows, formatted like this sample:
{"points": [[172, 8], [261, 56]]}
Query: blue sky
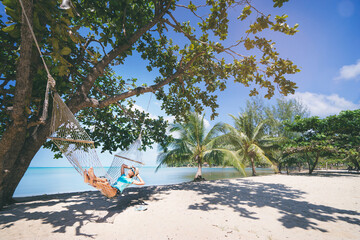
{"points": [[326, 49]]}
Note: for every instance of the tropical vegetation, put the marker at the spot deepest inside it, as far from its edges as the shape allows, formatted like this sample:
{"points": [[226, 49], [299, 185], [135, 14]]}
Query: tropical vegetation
{"points": [[249, 139], [282, 136]]}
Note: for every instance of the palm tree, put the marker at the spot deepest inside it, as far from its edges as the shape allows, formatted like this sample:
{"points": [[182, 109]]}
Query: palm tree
{"points": [[249, 139], [196, 145]]}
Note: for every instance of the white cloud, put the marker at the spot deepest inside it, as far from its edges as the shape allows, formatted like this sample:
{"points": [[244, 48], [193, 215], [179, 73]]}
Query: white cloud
{"points": [[324, 105], [207, 124], [348, 72], [170, 119], [173, 134]]}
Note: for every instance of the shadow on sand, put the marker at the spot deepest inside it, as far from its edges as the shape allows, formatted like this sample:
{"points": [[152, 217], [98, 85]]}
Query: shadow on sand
{"points": [[79, 208]]}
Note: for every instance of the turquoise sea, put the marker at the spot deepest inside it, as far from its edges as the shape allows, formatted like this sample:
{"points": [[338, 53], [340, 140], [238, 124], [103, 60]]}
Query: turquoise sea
{"points": [[51, 180]]}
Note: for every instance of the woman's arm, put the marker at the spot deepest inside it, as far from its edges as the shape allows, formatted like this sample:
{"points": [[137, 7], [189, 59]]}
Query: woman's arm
{"points": [[140, 182], [123, 166]]}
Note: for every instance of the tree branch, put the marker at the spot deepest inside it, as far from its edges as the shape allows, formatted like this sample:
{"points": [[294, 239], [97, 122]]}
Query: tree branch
{"points": [[99, 68], [141, 90], [177, 26]]}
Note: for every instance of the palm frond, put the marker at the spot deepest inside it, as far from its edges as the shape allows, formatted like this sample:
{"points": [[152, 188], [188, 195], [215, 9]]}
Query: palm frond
{"points": [[231, 158], [172, 157], [257, 131], [214, 132]]}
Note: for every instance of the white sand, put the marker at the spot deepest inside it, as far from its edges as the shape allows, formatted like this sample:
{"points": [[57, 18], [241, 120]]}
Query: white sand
{"points": [[266, 207]]}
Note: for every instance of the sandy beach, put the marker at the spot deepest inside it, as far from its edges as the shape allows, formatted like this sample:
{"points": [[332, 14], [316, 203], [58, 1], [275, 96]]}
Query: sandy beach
{"points": [[265, 207]]}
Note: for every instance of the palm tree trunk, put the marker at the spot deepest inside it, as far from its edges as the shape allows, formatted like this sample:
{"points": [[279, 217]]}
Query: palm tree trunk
{"points": [[199, 171], [253, 166], [198, 175]]}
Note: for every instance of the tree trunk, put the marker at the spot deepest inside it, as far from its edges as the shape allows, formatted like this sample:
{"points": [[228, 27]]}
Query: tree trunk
{"points": [[279, 167], [308, 160], [311, 169], [253, 166], [355, 162], [15, 173], [198, 175], [13, 139]]}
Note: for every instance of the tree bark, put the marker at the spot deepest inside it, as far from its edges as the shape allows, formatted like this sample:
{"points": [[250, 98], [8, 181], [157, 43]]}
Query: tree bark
{"points": [[13, 139], [299, 167], [30, 147], [198, 175], [199, 171], [355, 162], [253, 166], [311, 168], [280, 167], [308, 160]]}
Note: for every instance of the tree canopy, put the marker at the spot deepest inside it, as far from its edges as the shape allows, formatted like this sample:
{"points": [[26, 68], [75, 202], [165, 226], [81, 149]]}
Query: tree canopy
{"points": [[336, 135]]}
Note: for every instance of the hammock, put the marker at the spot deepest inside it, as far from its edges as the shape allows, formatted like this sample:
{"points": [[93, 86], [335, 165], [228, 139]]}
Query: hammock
{"points": [[76, 145]]}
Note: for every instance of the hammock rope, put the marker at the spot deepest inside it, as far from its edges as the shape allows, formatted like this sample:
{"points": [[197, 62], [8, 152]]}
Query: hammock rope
{"points": [[73, 141]]}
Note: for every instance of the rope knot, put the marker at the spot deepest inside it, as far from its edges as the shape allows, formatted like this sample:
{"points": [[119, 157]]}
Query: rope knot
{"points": [[51, 81]]}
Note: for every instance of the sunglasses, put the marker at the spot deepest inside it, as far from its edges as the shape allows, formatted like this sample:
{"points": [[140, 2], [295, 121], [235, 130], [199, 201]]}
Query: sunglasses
{"points": [[133, 170]]}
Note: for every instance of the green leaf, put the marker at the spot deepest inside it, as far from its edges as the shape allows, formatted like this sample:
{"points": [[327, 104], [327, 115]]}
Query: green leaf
{"points": [[65, 51], [9, 28], [55, 44]]}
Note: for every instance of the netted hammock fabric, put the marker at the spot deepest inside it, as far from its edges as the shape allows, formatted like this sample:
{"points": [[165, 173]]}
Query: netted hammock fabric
{"points": [[76, 145]]}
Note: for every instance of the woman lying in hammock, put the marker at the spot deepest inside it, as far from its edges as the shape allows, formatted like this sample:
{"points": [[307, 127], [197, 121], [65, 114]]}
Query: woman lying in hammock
{"points": [[121, 183]]}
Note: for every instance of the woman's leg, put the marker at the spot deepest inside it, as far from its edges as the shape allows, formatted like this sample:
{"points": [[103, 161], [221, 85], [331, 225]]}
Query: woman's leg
{"points": [[106, 189]]}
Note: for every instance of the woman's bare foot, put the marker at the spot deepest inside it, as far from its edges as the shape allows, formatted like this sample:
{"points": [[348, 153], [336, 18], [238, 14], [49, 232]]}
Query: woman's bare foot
{"points": [[91, 173], [86, 177]]}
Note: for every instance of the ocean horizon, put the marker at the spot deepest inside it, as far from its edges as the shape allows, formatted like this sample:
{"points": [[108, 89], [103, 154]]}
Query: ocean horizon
{"points": [[53, 180]]}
